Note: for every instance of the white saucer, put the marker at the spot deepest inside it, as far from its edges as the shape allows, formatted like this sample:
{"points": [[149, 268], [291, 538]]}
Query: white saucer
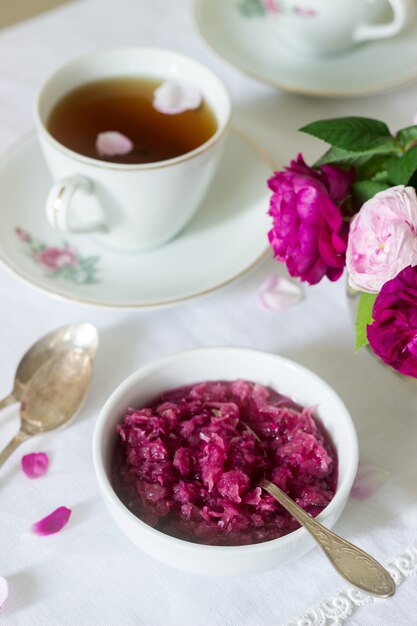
{"points": [[227, 237], [251, 44]]}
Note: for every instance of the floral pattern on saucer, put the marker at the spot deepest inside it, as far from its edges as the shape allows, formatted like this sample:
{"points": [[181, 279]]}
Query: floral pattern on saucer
{"points": [[60, 262], [251, 8]]}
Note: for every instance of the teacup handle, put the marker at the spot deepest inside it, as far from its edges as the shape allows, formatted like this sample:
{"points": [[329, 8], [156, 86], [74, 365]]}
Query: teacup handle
{"points": [[58, 205], [402, 10]]}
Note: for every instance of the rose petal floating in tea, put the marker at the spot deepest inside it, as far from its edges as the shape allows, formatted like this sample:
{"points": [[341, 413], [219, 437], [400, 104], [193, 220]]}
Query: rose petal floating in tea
{"points": [[52, 523], [277, 293], [4, 591], [35, 465], [173, 97], [368, 479], [113, 143]]}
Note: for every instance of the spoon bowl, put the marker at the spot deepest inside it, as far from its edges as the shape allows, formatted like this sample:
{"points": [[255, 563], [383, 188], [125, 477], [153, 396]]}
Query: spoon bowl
{"points": [[56, 391], [53, 395], [82, 336]]}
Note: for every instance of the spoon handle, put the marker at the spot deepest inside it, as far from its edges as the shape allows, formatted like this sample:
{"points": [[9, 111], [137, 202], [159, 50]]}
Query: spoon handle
{"points": [[10, 399], [19, 438], [356, 566]]}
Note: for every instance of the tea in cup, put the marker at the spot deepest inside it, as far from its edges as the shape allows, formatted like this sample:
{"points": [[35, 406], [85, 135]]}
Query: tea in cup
{"points": [[132, 138]]}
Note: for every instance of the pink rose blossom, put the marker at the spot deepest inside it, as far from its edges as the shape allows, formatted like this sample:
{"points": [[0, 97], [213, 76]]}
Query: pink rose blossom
{"points": [[113, 143], [393, 333], [57, 258], [382, 238], [271, 6], [22, 234], [308, 231]]}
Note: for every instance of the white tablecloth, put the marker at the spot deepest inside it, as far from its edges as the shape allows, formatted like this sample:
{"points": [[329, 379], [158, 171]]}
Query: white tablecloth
{"points": [[89, 573]]}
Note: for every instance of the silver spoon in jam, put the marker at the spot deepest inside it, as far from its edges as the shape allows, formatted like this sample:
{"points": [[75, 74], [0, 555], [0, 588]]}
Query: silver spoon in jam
{"points": [[356, 566]]}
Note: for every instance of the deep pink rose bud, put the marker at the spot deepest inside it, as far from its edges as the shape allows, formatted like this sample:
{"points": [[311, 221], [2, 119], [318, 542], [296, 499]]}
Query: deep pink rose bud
{"points": [[308, 232], [393, 334]]}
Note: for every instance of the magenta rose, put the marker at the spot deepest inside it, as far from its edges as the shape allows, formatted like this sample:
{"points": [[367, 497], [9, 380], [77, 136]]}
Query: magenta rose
{"points": [[393, 334], [308, 231], [57, 258]]}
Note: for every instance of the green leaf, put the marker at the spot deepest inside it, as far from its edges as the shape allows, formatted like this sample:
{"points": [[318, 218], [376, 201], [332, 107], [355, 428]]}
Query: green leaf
{"points": [[355, 134], [402, 170], [407, 136], [368, 164], [36, 246], [366, 189], [337, 156], [413, 181], [363, 318], [375, 168]]}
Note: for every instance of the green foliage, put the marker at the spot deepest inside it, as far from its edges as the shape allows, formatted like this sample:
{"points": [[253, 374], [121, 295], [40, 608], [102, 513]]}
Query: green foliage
{"points": [[358, 160], [364, 318], [407, 136], [366, 189], [402, 170], [380, 160], [250, 8], [354, 134]]}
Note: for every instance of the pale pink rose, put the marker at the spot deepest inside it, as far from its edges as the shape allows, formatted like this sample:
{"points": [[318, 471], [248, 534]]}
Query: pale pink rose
{"points": [[382, 238], [57, 258]]}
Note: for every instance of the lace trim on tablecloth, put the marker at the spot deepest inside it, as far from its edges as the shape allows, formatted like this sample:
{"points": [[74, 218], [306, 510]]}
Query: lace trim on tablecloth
{"points": [[340, 607]]}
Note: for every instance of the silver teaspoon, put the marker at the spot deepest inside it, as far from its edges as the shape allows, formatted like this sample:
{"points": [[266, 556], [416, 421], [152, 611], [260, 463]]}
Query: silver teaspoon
{"points": [[53, 396], [356, 566], [84, 336]]}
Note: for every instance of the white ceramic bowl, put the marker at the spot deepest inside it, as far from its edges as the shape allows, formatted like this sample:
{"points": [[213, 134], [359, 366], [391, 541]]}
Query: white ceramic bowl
{"points": [[193, 366]]}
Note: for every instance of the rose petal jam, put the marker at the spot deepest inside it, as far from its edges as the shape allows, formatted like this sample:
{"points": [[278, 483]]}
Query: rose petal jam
{"points": [[189, 463]]}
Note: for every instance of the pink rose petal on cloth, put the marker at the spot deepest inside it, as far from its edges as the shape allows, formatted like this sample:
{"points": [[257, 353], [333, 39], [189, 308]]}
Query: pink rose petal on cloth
{"points": [[113, 143], [4, 591], [277, 293], [35, 465], [173, 97], [52, 523], [368, 479]]}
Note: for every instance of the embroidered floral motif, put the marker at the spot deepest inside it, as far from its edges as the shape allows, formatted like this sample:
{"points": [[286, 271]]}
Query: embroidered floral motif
{"points": [[342, 605], [60, 262], [253, 8]]}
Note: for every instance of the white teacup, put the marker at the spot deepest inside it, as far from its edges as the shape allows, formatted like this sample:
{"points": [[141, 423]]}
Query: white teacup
{"points": [[129, 207], [326, 27]]}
